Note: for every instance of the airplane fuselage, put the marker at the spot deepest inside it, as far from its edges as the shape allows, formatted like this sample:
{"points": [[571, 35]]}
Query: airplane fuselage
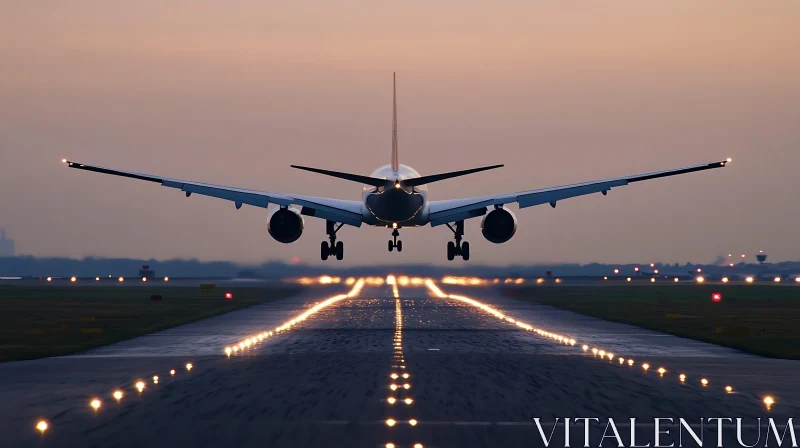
{"points": [[387, 206]]}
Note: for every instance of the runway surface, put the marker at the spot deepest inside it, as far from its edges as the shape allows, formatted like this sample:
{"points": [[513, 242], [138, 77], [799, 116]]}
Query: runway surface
{"points": [[477, 376]]}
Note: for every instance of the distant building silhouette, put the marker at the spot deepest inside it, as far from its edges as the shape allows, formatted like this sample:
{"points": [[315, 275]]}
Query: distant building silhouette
{"points": [[6, 245]]}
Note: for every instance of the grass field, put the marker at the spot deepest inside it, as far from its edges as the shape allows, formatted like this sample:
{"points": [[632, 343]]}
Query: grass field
{"points": [[45, 321], [759, 319]]}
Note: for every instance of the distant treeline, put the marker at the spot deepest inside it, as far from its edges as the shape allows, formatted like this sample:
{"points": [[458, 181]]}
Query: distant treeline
{"points": [[91, 267]]}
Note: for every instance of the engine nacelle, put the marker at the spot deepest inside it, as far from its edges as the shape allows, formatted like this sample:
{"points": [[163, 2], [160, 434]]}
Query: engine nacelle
{"points": [[499, 225], [285, 224]]}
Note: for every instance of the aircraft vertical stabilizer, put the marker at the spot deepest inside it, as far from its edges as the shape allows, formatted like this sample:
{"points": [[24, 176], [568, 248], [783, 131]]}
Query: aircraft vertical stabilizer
{"points": [[395, 159]]}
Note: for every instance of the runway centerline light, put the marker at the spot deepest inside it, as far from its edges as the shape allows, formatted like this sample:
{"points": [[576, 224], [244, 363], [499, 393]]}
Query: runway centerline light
{"points": [[41, 426], [768, 401], [682, 377], [645, 366], [704, 382], [117, 395], [140, 386], [95, 404], [189, 366]]}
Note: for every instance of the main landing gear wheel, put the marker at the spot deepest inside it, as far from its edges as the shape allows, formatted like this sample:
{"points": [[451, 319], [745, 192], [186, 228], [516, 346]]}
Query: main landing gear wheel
{"points": [[325, 250], [394, 243], [335, 248], [339, 250], [457, 248]]}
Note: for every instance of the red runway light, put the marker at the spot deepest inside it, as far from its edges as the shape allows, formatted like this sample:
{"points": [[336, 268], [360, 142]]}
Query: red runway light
{"points": [[716, 297], [228, 295]]}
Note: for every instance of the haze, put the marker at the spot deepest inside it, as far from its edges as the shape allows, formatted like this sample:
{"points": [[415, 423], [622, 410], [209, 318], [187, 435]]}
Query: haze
{"points": [[560, 91]]}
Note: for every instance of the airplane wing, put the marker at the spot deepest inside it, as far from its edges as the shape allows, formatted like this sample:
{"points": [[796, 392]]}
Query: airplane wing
{"points": [[443, 212], [342, 211]]}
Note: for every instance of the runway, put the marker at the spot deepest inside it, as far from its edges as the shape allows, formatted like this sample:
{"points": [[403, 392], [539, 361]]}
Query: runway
{"points": [[319, 370]]}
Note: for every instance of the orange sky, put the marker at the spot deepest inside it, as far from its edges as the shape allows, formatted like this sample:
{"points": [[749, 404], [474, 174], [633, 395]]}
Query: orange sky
{"points": [[560, 91]]}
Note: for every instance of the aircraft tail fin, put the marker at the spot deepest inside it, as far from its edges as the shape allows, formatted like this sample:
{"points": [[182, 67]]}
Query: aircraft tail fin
{"points": [[395, 159], [414, 181], [374, 181]]}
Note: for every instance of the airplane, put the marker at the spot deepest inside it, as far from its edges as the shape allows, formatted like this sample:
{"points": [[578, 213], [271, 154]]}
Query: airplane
{"points": [[394, 196]]}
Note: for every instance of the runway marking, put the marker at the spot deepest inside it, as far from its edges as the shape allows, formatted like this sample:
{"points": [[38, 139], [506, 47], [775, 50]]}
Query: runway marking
{"points": [[399, 395], [596, 352]]}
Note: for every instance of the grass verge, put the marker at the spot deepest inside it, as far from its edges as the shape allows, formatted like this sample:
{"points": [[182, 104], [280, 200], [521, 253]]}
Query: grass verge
{"points": [[763, 320], [37, 322]]}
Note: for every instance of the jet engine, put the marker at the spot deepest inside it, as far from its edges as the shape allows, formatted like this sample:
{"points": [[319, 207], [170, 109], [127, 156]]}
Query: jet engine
{"points": [[285, 224], [499, 225]]}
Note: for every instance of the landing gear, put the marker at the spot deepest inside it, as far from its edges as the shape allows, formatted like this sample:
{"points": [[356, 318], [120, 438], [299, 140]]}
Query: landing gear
{"points": [[335, 248], [457, 248], [395, 243]]}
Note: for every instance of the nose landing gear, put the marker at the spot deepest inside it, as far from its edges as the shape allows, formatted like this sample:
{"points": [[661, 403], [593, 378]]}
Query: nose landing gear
{"points": [[334, 248], [457, 248], [395, 243]]}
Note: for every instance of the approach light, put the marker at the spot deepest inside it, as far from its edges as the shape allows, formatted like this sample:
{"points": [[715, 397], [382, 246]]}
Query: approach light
{"points": [[117, 395], [729, 389], [140, 386], [390, 422], [408, 401], [189, 366], [95, 404], [41, 426], [412, 422], [704, 382], [391, 400], [73, 279], [768, 401]]}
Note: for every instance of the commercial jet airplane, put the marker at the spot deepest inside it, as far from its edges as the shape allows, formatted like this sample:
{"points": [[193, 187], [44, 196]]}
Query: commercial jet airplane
{"points": [[394, 196]]}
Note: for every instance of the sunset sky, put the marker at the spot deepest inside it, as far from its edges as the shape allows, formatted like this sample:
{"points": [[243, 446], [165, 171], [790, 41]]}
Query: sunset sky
{"points": [[234, 92]]}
